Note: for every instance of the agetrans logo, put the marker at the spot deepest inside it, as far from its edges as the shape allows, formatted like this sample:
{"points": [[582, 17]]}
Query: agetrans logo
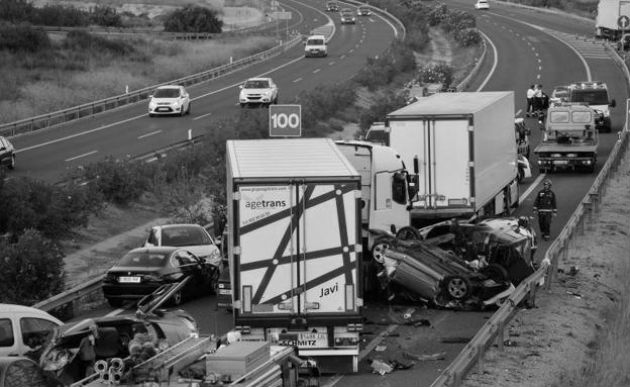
{"points": [[262, 204]]}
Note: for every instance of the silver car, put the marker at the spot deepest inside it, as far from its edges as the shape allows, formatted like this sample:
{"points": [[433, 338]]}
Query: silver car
{"points": [[168, 100]]}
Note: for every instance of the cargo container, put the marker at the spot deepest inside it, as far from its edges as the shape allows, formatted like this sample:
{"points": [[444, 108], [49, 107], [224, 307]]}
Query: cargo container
{"points": [[607, 19], [294, 247]]}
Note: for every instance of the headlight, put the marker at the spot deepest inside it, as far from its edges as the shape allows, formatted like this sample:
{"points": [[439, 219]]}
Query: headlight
{"points": [[606, 113], [152, 104]]}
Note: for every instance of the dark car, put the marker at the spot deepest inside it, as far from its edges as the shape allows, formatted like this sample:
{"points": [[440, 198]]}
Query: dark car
{"points": [[113, 334], [7, 153], [332, 6], [141, 271], [457, 264], [347, 16]]}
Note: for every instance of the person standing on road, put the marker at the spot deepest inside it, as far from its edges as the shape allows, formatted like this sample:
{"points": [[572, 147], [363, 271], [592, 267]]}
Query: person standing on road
{"points": [[530, 100], [537, 100], [545, 207]]}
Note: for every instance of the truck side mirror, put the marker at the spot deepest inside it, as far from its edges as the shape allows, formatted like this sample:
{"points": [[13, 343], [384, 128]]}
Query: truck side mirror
{"points": [[413, 186], [613, 103]]}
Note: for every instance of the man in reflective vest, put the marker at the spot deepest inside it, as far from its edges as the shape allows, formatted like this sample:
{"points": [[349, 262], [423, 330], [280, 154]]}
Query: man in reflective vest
{"points": [[545, 207]]}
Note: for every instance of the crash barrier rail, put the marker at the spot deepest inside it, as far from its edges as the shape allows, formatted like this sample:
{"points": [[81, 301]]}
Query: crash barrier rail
{"points": [[494, 329], [156, 32], [89, 109]]}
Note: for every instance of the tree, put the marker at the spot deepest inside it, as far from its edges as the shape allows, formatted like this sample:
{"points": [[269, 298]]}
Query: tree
{"points": [[193, 18]]}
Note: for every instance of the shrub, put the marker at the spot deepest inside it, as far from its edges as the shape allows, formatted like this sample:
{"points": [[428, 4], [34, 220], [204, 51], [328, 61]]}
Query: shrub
{"points": [[59, 15], [437, 73], [468, 37], [30, 269], [323, 102], [16, 11], [82, 42], [382, 106], [105, 16], [22, 37], [193, 18]]}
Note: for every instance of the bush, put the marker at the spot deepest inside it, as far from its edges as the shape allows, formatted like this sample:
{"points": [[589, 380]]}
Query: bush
{"points": [[83, 42], [380, 108], [105, 16], [23, 37], [59, 15], [193, 18], [468, 37], [438, 73], [30, 269], [16, 11], [54, 211]]}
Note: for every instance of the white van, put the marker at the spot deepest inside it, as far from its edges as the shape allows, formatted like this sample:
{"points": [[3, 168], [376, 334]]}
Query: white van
{"points": [[23, 325], [315, 45]]}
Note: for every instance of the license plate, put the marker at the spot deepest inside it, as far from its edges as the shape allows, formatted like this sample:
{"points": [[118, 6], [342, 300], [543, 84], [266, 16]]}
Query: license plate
{"points": [[561, 162], [225, 291], [162, 109], [312, 340], [129, 280]]}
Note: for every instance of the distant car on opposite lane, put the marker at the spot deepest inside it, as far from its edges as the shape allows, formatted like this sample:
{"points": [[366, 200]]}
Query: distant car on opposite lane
{"points": [[7, 153], [347, 16], [258, 91], [22, 328], [364, 11], [143, 270], [482, 4], [332, 6], [170, 99]]}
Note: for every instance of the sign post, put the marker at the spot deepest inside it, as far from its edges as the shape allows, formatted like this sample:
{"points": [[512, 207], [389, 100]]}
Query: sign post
{"points": [[623, 22], [285, 120]]}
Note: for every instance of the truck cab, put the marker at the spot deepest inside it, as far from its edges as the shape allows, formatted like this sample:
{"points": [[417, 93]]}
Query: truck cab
{"points": [[570, 139], [595, 95]]}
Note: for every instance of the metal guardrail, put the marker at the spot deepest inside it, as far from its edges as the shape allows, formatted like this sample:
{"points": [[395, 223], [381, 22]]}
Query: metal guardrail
{"points": [[46, 120], [494, 328]]}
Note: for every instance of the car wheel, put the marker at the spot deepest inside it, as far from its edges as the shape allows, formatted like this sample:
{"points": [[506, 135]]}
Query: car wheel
{"points": [[189, 108], [408, 233], [457, 287], [151, 115], [114, 302], [495, 272], [182, 112], [12, 163], [242, 105], [379, 249]]}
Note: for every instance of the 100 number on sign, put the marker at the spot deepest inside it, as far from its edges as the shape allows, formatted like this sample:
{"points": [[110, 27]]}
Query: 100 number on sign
{"points": [[285, 120]]}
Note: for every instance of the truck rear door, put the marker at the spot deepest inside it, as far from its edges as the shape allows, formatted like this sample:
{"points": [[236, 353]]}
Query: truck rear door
{"points": [[297, 245]]}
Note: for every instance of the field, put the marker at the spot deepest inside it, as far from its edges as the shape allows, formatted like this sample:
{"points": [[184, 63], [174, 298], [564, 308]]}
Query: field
{"points": [[74, 72]]}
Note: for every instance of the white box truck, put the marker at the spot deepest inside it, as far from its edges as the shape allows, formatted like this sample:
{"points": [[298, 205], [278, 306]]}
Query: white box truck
{"points": [[607, 19], [463, 144], [294, 247]]}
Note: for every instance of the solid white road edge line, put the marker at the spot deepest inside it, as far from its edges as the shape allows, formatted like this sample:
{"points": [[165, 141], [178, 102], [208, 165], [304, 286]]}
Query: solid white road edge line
{"points": [[80, 156], [149, 134]]}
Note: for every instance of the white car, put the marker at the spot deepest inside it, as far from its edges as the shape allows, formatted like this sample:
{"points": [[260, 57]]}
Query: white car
{"points": [[191, 237], [482, 4], [258, 91], [170, 99], [315, 45], [22, 328]]}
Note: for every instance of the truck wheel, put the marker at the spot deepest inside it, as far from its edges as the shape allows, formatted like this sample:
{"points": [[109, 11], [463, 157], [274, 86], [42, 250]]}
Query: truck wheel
{"points": [[408, 233], [457, 287]]}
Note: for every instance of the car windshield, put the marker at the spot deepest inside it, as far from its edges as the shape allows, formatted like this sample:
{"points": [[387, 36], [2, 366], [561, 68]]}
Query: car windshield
{"points": [[592, 97], [316, 42], [256, 84], [166, 93], [144, 258], [183, 236]]}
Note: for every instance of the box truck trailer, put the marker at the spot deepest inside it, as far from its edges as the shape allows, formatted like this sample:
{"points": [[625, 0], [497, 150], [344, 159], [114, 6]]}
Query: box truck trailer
{"points": [[463, 144], [294, 247]]}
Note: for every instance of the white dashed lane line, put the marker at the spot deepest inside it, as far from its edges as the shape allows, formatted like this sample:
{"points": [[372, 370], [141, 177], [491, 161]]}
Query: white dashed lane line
{"points": [[149, 134], [202, 116], [80, 156], [316, 71], [331, 63], [297, 80]]}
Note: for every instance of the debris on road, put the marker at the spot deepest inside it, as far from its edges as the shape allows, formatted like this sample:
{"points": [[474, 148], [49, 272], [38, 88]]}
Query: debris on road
{"points": [[432, 357], [380, 367]]}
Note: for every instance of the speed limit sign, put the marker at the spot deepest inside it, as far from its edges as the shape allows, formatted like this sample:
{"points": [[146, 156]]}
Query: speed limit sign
{"points": [[285, 120]]}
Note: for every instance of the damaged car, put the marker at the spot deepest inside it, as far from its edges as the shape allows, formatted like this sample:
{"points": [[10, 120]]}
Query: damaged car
{"points": [[111, 336], [457, 264]]}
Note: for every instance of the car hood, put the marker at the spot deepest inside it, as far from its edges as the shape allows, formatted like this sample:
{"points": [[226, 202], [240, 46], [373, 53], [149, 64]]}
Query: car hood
{"points": [[164, 100], [133, 270], [256, 91]]}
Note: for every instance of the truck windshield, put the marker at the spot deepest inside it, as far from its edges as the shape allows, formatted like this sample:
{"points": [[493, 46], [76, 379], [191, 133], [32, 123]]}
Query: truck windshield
{"points": [[592, 97]]}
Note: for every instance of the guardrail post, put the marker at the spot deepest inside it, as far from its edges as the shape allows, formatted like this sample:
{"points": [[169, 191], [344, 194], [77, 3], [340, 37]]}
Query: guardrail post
{"points": [[580, 225], [594, 198], [500, 336]]}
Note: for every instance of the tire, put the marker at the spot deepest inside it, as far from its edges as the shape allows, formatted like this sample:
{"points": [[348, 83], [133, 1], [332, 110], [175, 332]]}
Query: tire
{"points": [[495, 272], [379, 248], [115, 302], [189, 108], [12, 163], [457, 287], [151, 115], [182, 112], [242, 105], [408, 233]]}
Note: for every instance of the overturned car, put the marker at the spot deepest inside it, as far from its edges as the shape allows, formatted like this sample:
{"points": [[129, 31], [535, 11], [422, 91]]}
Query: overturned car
{"points": [[454, 264]]}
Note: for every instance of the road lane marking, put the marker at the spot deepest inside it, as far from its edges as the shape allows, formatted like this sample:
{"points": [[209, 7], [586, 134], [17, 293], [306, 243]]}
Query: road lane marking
{"points": [[316, 71], [297, 80], [531, 187], [149, 134], [81, 156], [494, 64], [331, 63], [518, 112], [343, 56], [43, 144], [202, 116]]}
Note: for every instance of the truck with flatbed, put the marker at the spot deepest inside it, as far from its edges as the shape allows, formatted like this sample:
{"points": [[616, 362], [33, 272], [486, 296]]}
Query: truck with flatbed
{"points": [[570, 139], [463, 144], [294, 247]]}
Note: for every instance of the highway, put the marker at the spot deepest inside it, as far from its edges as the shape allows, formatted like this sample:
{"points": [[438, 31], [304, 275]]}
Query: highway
{"points": [[525, 47]]}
